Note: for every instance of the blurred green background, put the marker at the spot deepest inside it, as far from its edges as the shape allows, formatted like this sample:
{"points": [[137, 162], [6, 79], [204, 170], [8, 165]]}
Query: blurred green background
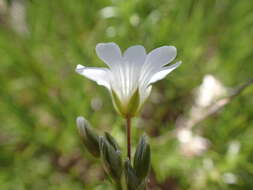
{"points": [[41, 42]]}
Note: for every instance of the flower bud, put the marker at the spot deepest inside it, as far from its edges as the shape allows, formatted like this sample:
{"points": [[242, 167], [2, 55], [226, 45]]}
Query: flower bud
{"points": [[89, 137], [111, 158], [142, 158]]}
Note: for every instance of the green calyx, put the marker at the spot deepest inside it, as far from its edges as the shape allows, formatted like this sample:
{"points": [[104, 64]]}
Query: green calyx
{"points": [[127, 109]]}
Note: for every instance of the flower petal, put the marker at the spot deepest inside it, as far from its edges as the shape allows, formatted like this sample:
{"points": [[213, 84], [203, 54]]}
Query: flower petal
{"points": [[127, 73], [161, 56], [163, 72], [110, 53], [135, 55], [99, 75], [144, 93]]}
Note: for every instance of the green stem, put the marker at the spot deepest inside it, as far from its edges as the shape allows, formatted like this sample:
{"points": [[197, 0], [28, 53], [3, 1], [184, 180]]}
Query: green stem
{"points": [[128, 121]]}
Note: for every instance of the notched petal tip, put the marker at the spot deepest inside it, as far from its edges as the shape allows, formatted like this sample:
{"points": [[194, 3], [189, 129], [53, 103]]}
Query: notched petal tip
{"points": [[164, 72], [168, 49], [134, 48], [108, 52], [162, 55], [103, 44], [135, 55]]}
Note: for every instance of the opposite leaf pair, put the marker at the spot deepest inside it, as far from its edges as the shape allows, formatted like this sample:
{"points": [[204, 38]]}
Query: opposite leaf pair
{"points": [[108, 150]]}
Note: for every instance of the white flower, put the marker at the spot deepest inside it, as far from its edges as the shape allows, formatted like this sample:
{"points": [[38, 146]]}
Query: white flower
{"points": [[190, 144], [129, 76], [209, 91]]}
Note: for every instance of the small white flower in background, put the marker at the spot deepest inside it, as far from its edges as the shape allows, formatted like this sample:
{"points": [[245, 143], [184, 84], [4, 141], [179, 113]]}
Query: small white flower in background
{"points": [[130, 75], [190, 144], [208, 97], [209, 91]]}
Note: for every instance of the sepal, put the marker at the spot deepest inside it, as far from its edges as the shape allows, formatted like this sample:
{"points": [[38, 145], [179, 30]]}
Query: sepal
{"points": [[129, 108], [133, 104]]}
